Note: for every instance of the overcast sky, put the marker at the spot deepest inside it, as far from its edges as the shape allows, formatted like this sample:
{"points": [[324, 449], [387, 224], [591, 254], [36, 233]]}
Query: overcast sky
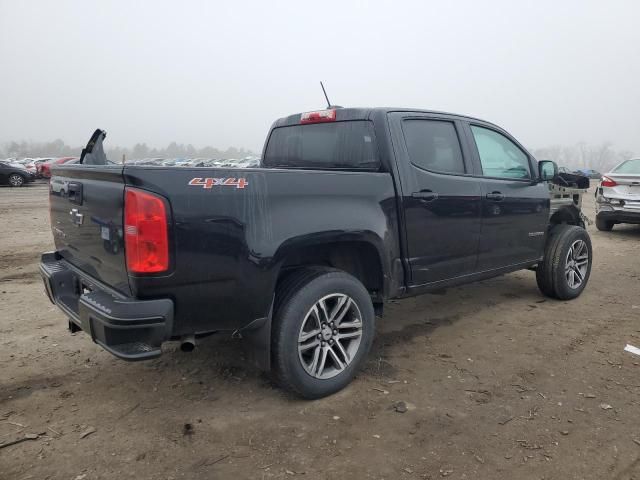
{"points": [[218, 73]]}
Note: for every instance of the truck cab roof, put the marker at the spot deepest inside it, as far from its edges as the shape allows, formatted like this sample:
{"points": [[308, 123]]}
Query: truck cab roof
{"points": [[369, 113]]}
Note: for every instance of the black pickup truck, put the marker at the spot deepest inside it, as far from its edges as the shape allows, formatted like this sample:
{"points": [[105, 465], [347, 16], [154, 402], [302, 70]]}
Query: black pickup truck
{"points": [[350, 207]]}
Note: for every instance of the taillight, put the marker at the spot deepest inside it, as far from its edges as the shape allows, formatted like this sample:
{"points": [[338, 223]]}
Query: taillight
{"points": [[318, 117], [145, 232], [608, 182]]}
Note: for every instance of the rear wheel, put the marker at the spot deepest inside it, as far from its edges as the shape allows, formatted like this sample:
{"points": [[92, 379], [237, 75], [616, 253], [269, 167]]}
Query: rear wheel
{"points": [[16, 180], [604, 225], [322, 331], [566, 267]]}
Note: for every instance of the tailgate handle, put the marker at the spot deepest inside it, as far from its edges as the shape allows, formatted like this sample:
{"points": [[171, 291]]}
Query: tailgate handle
{"points": [[74, 192]]}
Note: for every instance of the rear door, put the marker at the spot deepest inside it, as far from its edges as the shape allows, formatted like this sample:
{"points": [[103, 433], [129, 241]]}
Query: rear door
{"points": [[515, 208], [440, 198], [87, 215]]}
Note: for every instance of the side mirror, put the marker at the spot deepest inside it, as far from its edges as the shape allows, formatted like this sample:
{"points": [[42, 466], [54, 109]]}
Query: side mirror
{"points": [[547, 170]]}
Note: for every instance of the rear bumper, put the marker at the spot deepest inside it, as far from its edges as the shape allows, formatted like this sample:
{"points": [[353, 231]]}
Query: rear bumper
{"points": [[619, 216], [128, 328]]}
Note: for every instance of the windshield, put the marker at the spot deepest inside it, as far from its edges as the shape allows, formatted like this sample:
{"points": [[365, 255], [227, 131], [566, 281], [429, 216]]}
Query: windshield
{"points": [[629, 166], [335, 145]]}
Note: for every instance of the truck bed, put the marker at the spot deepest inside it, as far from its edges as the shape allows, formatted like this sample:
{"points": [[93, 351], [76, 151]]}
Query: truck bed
{"points": [[229, 231]]}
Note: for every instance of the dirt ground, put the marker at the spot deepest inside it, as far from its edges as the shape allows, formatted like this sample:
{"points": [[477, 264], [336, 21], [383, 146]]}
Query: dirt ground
{"points": [[500, 383]]}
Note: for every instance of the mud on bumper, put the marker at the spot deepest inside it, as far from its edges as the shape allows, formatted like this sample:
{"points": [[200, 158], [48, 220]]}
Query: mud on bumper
{"points": [[128, 328]]}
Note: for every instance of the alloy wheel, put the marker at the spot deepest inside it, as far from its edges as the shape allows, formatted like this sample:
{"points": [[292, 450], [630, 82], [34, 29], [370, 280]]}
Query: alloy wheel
{"points": [[16, 180], [330, 336], [577, 264]]}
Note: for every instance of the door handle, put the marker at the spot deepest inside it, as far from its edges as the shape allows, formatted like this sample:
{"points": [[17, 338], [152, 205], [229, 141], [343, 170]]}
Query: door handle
{"points": [[425, 195], [495, 196]]}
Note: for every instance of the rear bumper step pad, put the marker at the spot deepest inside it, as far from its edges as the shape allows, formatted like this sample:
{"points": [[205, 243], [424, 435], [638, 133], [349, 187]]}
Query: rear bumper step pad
{"points": [[128, 328]]}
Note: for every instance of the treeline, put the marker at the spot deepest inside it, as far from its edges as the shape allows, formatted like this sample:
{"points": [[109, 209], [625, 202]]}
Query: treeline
{"points": [[601, 157], [59, 148]]}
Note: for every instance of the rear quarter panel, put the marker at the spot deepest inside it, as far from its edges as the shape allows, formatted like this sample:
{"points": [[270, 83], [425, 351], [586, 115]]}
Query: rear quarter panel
{"points": [[229, 242]]}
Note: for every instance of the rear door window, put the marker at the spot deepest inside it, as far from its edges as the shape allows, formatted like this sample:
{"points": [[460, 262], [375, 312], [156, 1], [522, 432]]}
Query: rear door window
{"points": [[433, 145], [332, 145]]}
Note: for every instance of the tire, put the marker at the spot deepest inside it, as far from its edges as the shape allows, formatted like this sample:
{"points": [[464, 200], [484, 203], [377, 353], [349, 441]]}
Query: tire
{"points": [[604, 225], [298, 352], [544, 276], [564, 272], [16, 180]]}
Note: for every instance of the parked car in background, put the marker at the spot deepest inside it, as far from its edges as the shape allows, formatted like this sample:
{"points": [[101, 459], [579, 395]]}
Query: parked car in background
{"points": [[43, 170], [618, 196], [15, 174], [588, 172], [31, 164]]}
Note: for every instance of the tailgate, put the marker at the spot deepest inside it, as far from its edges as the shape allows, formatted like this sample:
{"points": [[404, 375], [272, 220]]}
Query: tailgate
{"points": [[86, 205]]}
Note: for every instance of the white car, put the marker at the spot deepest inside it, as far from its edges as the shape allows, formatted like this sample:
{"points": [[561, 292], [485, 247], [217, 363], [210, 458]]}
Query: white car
{"points": [[618, 196]]}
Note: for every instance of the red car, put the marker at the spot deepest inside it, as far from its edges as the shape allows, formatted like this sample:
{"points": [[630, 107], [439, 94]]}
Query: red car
{"points": [[43, 170]]}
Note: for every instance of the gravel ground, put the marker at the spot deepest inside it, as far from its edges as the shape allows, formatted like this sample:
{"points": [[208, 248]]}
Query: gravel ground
{"points": [[497, 383]]}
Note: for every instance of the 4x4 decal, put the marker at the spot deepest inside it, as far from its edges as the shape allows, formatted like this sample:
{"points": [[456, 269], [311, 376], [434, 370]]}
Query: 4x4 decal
{"points": [[214, 182]]}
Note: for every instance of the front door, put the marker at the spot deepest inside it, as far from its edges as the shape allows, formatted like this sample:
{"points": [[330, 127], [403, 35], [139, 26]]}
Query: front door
{"points": [[515, 208], [441, 201]]}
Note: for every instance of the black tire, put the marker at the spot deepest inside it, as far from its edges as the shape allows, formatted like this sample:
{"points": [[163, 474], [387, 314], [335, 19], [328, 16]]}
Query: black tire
{"points": [[544, 276], [296, 296], [554, 272], [604, 225], [16, 180]]}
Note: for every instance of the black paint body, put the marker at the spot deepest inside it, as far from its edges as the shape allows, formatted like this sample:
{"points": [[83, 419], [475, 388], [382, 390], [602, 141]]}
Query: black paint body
{"points": [[228, 245]]}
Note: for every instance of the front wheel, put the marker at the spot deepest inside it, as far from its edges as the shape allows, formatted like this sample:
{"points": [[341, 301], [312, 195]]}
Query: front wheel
{"points": [[322, 331], [16, 180], [566, 267]]}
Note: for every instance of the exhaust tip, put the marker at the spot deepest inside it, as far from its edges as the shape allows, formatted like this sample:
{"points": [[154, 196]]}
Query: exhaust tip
{"points": [[188, 343]]}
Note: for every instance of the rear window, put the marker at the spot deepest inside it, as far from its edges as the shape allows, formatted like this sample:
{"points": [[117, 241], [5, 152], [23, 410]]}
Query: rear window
{"points": [[630, 166], [433, 145], [335, 145]]}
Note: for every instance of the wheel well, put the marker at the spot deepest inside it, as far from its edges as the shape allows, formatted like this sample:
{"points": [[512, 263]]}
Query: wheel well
{"points": [[359, 259], [568, 215]]}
